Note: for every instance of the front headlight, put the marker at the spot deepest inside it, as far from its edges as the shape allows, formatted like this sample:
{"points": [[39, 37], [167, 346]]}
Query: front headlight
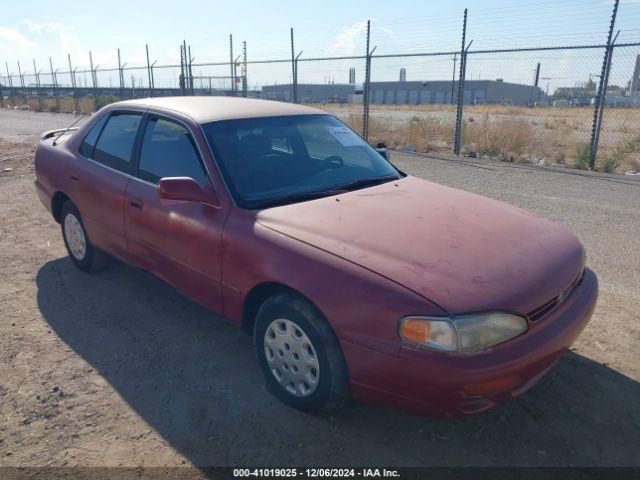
{"points": [[469, 333]]}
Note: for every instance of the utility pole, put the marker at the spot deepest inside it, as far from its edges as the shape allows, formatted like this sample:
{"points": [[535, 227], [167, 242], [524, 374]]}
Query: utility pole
{"points": [[535, 90]]}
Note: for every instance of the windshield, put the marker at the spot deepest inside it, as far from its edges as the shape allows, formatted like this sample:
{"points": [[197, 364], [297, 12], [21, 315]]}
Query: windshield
{"points": [[278, 160]]}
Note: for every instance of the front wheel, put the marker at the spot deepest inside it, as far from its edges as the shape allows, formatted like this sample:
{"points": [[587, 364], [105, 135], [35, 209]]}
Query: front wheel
{"points": [[84, 255], [300, 355]]}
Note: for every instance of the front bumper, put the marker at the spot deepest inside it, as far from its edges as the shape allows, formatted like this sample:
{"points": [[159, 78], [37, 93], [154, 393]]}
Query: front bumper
{"points": [[443, 384]]}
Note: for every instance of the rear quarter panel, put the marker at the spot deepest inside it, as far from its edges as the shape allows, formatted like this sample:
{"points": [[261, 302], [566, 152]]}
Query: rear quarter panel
{"points": [[51, 170]]}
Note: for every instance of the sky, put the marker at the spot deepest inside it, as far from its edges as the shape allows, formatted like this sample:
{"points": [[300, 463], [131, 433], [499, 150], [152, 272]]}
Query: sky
{"points": [[37, 30]]}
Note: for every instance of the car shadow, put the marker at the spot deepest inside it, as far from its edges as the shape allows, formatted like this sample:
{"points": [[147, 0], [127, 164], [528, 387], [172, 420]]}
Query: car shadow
{"points": [[193, 377]]}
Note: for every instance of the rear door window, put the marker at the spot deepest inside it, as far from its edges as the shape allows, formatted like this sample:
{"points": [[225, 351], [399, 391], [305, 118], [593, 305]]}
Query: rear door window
{"points": [[114, 147]]}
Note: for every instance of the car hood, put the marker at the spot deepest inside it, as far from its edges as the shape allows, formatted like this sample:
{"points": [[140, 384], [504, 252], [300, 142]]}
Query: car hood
{"points": [[465, 252]]}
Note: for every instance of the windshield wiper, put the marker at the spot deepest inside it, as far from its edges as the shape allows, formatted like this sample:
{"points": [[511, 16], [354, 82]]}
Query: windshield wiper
{"points": [[292, 198], [302, 196], [365, 182]]}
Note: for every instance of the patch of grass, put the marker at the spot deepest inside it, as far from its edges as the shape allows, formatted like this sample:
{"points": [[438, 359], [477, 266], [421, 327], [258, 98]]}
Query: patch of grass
{"points": [[583, 152], [104, 100], [498, 138], [626, 152], [609, 164]]}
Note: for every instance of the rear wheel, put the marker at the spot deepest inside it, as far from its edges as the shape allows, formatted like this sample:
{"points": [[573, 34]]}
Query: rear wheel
{"points": [[300, 355], [83, 254]]}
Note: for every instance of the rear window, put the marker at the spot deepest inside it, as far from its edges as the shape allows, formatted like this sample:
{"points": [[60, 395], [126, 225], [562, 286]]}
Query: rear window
{"points": [[90, 139]]}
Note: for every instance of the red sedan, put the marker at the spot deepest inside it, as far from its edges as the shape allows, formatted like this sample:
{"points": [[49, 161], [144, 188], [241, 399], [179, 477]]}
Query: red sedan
{"points": [[353, 278]]}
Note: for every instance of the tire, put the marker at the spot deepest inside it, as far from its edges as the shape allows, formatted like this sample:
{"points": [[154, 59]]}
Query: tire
{"points": [[331, 388], [83, 254]]}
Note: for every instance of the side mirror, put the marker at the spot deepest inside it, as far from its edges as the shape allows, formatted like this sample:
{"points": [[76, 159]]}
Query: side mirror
{"points": [[186, 189], [381, 148]]}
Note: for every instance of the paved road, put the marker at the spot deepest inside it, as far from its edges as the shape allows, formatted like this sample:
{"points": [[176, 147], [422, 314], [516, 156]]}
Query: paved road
{"points": [[118, 369], [24, 126]]}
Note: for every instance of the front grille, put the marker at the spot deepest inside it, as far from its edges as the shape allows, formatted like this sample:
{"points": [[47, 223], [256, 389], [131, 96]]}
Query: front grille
{"points": [[548, 307]]}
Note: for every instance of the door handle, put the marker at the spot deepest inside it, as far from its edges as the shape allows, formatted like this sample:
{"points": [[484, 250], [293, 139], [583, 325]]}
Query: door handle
{"points": [[136, 203]]}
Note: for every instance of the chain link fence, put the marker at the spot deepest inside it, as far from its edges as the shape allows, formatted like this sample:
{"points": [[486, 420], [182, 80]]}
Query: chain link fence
{"points": [[413, 102], [511, 114], [576, 104], [330, 84]]}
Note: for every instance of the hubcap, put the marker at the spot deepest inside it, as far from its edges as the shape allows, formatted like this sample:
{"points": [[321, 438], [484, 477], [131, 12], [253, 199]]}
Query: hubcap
{"points": [[75, 236], [291, 357]]}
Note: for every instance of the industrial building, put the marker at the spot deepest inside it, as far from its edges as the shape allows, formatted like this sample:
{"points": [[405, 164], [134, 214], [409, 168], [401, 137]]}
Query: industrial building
{"points": [[635, 80], [310, 93], [441, 91]]}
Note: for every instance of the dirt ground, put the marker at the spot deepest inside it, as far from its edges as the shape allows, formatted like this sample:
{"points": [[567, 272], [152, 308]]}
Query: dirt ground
{"points": [[117, 369]]}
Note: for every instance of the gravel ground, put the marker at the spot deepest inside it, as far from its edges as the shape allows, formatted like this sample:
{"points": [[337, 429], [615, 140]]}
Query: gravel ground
{"points": [[118, 369], [24, 126]]}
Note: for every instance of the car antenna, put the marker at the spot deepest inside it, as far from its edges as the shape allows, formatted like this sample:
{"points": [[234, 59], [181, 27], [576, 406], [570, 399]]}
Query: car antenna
{"points": [[62, 132]]}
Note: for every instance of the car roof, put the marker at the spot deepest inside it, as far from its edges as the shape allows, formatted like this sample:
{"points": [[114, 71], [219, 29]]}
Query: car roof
{"points": [[212, 109]]}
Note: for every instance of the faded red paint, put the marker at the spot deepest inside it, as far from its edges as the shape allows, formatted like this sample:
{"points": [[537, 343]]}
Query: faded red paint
{"points": [[365, 258]]}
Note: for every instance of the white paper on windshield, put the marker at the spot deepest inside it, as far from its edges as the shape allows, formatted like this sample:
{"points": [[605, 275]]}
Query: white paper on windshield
{"points": [[345, 136]]}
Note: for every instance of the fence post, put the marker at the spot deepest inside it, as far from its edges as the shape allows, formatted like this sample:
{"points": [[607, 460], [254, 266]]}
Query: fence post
{"points": [[93, 81], [22, 87], [93, 72], [294, 76], [461, 77], [244, 68], [120, 77], [233, 79], [148, 68], [598, 110], [38, 90], [181, 77], [1, 93], [365, 86], [190, 66], [54, 85], [153, 80], [72, 74], [11, 92], [453, 77]]}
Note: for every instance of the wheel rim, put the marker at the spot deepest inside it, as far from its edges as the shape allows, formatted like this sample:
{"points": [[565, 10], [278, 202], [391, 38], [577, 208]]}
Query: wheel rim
{"points": [[74, 235], [291, 357]]}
